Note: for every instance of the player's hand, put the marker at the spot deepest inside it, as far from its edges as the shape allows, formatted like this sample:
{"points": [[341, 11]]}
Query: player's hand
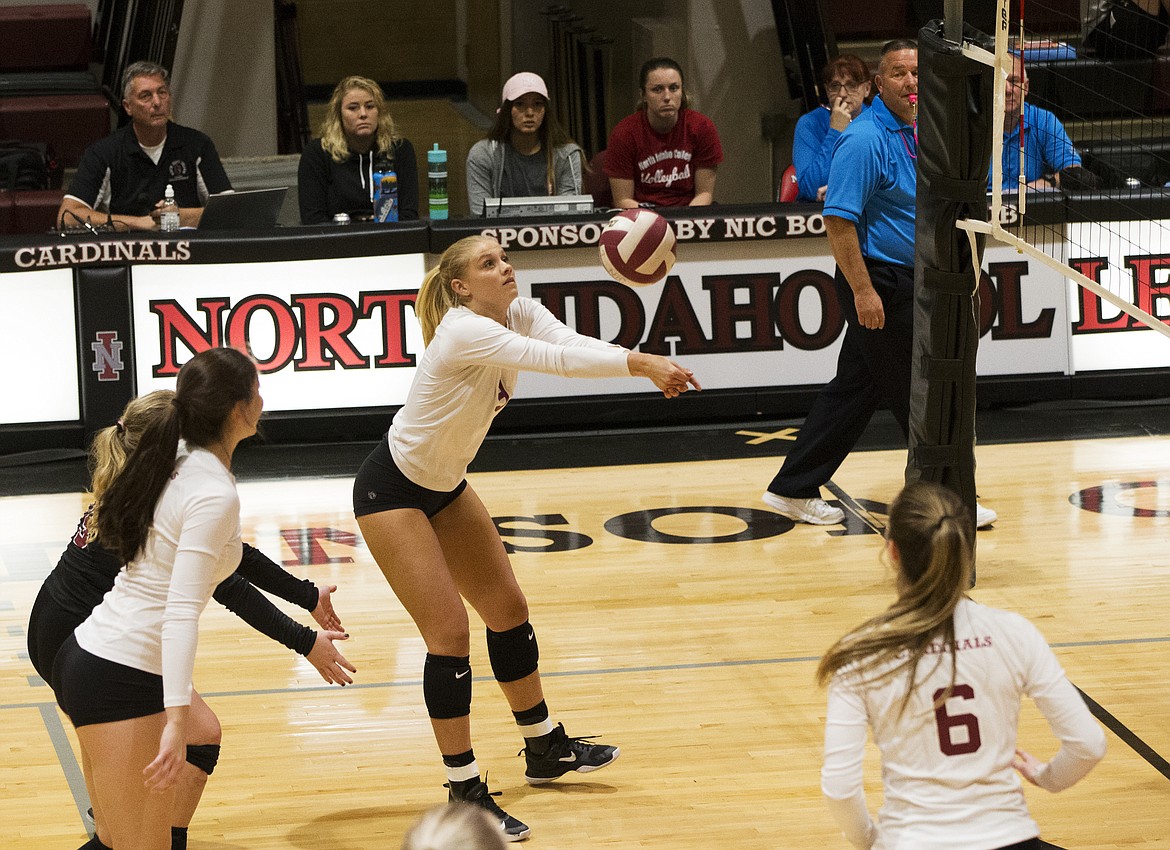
{"points": [[324, 614], [330, 663], [163, 772], [821, 193], [665, 374], [839, 114], [1028, 766], [870, 312]]}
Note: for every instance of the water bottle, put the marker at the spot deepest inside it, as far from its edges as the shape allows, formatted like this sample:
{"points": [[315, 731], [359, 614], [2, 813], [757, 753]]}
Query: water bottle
{"points": [[168, 220], [437, 182], [385, 192]]}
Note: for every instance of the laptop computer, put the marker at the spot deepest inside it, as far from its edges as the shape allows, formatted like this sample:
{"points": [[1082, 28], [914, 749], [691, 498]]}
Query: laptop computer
{"points": [[537, 205], [249, 209]]}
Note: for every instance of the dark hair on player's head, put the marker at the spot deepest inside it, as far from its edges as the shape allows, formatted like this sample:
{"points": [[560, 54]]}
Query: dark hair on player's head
{"points": [[209, 387]]}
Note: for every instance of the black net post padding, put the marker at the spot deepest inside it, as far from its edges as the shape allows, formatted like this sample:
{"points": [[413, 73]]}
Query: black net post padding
{"points": [[954, 155]]}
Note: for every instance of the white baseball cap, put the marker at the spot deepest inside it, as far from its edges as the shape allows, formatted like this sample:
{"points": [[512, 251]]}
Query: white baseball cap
{"points": [[521, 84]]}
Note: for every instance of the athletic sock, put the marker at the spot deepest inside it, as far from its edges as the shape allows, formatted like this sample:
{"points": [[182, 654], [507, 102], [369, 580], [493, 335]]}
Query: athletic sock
{"points": [[94, 843], [178, 838], [535, 726], [462, 770]]}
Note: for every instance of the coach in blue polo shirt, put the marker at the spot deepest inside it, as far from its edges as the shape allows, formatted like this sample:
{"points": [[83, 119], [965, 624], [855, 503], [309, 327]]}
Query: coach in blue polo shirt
{"points": [[1047, 148], [869, 218], [124, 176]]}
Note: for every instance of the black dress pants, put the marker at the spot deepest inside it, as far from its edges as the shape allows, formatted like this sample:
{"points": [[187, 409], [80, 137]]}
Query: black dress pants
{"points": [[873, 369]]}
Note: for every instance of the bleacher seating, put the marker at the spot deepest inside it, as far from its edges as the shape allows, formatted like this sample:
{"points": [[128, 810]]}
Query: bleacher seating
{"points": [[48, 93], [32, 210], [1087, 88], [52, 37], [68, 122], [1147, 160]]}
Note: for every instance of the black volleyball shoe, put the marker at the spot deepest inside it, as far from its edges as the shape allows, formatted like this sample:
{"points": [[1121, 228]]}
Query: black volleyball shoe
{"points": [[565, 755]]}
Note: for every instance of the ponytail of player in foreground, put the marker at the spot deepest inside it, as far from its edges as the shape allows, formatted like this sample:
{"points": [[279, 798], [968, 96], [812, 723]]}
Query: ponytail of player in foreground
{"points": [[433, 538], [939, 678]]}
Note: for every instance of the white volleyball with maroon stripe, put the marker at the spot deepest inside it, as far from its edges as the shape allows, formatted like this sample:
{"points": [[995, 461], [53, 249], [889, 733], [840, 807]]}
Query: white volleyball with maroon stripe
{"points": [[638, 247]]}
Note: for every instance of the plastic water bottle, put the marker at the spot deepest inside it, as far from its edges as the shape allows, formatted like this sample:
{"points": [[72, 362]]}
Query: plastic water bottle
{"points": [[437, 182], [385, 192], [168, 220]]}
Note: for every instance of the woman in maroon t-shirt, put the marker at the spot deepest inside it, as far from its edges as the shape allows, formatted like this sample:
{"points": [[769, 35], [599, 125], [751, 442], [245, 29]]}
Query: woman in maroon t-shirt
{"points": [[665, 154]]}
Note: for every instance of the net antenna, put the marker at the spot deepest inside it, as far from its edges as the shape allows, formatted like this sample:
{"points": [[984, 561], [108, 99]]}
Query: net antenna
{"points": [[1090, 217]]}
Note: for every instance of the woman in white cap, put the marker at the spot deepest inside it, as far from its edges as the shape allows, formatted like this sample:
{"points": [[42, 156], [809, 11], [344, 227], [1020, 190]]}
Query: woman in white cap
{"points": [[527, 152]]}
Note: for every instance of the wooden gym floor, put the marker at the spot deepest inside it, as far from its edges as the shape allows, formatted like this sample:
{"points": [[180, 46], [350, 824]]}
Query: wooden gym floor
{"points": [[678, 618]]}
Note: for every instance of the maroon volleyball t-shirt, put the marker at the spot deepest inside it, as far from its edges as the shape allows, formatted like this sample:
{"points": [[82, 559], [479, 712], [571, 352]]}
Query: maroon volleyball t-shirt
{"points": [[662, 165]]}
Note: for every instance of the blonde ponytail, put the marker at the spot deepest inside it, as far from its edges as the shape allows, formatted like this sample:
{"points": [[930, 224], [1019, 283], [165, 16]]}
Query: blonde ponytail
{"points": [[111, 446], [435, 295]]}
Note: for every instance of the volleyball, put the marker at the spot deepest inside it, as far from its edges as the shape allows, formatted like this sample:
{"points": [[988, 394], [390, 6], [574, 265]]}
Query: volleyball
{"points": [[637, 247]]}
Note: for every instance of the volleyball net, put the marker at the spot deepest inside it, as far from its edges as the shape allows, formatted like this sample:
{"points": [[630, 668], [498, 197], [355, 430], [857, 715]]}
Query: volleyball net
{"points": [[1080, 165]]}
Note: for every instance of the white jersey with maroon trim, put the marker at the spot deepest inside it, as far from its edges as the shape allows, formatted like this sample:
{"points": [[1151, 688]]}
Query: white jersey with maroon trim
{"points": [[947, 772]]}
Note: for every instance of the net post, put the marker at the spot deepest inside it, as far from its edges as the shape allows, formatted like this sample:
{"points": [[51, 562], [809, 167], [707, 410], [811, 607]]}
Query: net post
{"points": [[953, 21], [954, 153]]}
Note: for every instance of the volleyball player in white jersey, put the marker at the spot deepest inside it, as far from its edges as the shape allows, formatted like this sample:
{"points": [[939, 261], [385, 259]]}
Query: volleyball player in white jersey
{"points": [[124, 676], [939, 679], [431, 535]]}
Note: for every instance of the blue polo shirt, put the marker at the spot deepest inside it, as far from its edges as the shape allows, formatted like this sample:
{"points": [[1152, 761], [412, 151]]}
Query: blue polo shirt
{"points": [[1047, 148], [872, 182], [812, 151]]}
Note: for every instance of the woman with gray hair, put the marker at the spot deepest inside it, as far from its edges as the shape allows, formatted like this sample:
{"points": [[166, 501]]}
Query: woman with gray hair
{"points": [[122, 178]]}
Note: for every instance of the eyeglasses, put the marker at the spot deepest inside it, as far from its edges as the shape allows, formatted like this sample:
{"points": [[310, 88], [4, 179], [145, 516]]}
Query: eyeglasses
{"points": [[835, 87]]}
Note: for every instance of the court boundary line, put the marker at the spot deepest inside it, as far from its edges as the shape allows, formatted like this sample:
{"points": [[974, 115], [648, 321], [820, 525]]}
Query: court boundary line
{"points": [[599, 671], [65, 757], [76, 781], [1127, 736]]}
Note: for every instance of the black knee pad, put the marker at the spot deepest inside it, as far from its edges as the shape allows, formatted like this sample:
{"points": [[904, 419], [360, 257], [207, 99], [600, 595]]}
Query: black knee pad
{"points": [[514, 653], [447, 686], [203, 756]]}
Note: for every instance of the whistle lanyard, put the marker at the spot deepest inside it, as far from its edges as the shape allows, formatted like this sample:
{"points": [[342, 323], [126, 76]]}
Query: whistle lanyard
{"points": [[911, 152]]}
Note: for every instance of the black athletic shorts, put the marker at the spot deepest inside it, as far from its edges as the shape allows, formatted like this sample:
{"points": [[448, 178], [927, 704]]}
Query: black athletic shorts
{"points": [[95, 690], [49, 626], [381, 486]]}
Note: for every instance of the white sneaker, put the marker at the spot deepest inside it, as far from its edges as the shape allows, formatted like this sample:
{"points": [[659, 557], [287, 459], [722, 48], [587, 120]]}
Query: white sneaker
{"points": [[813, 511], [984, 516]]}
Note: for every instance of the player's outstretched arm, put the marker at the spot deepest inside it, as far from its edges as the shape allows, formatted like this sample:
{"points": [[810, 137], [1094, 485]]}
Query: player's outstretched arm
{"points": [[239, 596], [665, 374], [269, 576]]}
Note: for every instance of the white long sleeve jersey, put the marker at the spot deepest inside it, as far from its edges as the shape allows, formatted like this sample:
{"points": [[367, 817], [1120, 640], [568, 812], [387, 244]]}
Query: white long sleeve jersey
{"points": [[469, 372], [947, 774], [150, 619]]}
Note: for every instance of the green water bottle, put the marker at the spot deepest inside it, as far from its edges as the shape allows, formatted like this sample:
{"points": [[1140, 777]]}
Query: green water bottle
{"points": [[437, 182]]}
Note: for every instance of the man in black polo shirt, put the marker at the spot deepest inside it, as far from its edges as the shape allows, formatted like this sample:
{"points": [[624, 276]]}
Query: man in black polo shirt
{"points": [[124, 176]]}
